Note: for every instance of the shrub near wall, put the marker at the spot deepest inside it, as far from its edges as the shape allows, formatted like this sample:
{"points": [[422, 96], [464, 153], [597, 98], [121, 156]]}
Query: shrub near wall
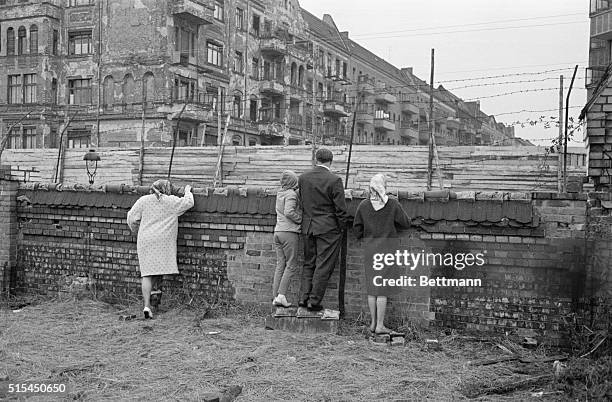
{"points": [[534, 272]]}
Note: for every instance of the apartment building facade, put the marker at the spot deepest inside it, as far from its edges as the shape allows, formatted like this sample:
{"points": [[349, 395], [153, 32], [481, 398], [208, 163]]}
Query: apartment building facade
{"points": [[251, 72]]}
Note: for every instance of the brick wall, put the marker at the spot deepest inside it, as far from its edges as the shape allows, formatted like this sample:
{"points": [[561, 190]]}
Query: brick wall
{"points": [[8, 230], [535, 246], [599, 253]]}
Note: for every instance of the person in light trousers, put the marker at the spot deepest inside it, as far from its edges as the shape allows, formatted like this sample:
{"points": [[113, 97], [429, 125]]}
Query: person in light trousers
{"points": [[286, 236]]}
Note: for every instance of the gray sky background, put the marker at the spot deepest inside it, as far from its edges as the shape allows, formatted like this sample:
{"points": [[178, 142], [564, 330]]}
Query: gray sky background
{"points": [[474, 39]]}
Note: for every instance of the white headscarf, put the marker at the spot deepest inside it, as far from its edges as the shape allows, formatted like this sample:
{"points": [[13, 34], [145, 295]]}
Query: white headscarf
{"points": [[378, 191]]}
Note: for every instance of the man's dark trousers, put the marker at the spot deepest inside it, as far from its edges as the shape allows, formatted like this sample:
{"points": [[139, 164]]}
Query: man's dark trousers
{"points": [[320, 251]]}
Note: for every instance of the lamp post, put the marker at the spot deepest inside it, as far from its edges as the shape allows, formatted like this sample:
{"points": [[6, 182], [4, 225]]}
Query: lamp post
{"points": [[91, 159]]}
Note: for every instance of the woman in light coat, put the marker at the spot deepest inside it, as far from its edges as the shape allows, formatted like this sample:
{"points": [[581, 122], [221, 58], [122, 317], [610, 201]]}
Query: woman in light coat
{"points": [[155, 218]]}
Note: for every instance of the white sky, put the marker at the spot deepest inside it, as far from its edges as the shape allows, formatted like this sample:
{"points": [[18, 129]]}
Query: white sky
{"points": [[479, 38]]}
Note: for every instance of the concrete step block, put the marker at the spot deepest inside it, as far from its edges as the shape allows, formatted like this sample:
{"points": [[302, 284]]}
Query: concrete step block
{"points": [[312, 325]]}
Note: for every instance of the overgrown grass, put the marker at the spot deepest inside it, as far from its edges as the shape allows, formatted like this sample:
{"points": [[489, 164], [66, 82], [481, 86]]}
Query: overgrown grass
{"points": [[192, 349]]}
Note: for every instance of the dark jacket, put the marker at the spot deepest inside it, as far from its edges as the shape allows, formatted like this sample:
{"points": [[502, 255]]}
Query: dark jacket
{"points": [[381, 224], [323, 202]]}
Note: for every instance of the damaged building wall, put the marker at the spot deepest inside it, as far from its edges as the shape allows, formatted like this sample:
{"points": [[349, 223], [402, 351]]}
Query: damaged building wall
{"points": [[283, 75]]}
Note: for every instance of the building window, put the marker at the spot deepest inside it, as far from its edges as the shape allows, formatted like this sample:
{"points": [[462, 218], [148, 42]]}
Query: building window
{"points": [[108, 91], [21, 38], [218, 12], [29, 88], [214, 54], [74, 3], [239, 19], [212, 96], [55, 41], [14, 89], [22, 139], [255, 26], [253, 110], [185, 42], [237, 106], [184, 88], [193, 43], [149, 87], [54, 91], [79, 42], [10, 41], [255, 68], [238, 64], [79, 91], [29, 137], [78, 138], [33, 39]]}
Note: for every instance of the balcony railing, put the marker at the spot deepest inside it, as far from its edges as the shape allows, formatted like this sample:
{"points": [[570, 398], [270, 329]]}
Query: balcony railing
{"points": [[271, 86], [336, 108], [272, 45], [296, 92]]}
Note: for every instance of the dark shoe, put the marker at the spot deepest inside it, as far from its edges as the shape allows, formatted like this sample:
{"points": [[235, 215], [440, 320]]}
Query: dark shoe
{"points": [[314, 307], [303, 304], [148, 314]]}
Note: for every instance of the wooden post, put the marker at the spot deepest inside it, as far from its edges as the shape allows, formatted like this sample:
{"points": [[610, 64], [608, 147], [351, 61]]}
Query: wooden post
{"points": [[176, 129], [61, 154], [431, 124], [559, 167], [142, 141], [569, 92], [218, 180]]}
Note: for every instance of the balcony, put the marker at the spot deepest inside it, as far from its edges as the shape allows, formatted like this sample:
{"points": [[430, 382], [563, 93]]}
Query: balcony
{"points": [[366, 85], [271, 87], [334, 108], [272, 46], [409, 107], [183, 58], [296, 92], [195, 11], [364, 116], [410, 129], [195, 112], [270, 125], [453, 123], [385, 97], [593, 75], [383, 122]]}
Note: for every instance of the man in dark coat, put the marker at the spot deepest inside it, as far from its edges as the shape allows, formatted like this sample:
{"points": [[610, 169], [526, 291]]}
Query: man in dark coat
{"points": [[324, 217]]}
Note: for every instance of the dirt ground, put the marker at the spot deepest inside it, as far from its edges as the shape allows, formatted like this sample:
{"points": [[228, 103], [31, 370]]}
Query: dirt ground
{"points": [[85, 345]]}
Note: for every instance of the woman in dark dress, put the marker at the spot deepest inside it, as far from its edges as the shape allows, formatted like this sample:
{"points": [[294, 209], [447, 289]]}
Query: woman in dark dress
{"points": [[377, 220]]}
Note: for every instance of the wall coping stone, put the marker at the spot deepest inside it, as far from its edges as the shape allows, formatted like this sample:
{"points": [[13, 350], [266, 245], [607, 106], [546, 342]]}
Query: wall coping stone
{"points": [[472, 208]]}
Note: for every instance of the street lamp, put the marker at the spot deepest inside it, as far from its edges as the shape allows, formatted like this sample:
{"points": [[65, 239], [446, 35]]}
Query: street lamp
{"points": [[91, 159]]}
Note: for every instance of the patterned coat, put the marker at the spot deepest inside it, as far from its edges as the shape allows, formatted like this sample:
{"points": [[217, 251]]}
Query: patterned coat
{"points": [[156, 221]]}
